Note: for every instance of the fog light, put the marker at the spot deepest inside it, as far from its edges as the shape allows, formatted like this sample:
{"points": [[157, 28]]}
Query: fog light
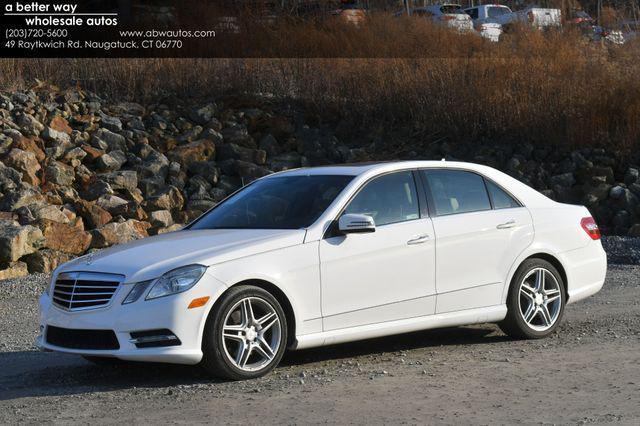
{"points": [[154, 338]]}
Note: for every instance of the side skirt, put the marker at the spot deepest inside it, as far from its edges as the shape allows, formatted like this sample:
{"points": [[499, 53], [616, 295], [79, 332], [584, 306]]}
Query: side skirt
{"points": [[369, 331]]}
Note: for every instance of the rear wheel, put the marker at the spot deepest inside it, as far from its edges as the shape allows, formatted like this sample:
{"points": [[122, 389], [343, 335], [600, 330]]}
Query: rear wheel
{"points": [[535, 302], [245, 335]]}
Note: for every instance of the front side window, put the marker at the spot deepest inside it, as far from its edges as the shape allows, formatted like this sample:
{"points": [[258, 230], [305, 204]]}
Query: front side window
{"points": [[473, 13], [286, 202], [456, 191], [388, 199], [501, 200]]}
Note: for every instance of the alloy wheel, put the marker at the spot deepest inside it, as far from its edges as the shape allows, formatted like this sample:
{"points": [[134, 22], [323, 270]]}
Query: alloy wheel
{"points": [[540, 299], [251, 334]]}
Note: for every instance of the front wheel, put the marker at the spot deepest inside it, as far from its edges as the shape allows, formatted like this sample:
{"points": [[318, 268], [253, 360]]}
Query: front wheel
{"points": [[245, 335], [536, 300]]}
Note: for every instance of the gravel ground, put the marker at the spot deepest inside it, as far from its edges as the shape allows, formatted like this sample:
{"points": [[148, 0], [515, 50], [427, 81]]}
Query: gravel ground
{"points": [[587, 372]]}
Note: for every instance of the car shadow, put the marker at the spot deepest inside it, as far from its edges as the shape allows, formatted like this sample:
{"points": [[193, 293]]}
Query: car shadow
{"points": [[485, 334], [34, 374]]}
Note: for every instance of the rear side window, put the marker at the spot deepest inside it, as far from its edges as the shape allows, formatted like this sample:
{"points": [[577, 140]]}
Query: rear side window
{"points": [[388, 199], [501, 200], [457, 191]]}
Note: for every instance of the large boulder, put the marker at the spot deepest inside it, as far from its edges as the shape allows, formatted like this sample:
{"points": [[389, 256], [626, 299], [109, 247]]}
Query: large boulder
{"points": [[21, 196], [10, 178], [94, 215], [239, 135], [231, 151], [110, 202], [200, 150], [111, 123], [37, 211], [25, 162], [169, 199], [161, 218], [59, 124], [107, 140], [111, 161], [122, 179], [14, 270], [53, 135], [63, 237], [17, 241], [60, 174], [30, 144], [118, 233], [46, 260], [204, 114]]}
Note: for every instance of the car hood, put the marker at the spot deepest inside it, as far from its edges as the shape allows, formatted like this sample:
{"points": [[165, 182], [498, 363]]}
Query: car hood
{"points": [[151, 257]]}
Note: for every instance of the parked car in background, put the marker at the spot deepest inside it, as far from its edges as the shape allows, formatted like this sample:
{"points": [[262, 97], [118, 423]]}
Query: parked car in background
{"points": [[350, 12], [314, 257], [489, 30], [590, 29], [539, 18], [630, 29], [450, 15], [606, 35]]}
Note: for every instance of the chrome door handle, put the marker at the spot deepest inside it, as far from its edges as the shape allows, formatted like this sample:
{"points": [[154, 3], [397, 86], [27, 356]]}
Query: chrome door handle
{"points": [[508, 224], [418, 239]]}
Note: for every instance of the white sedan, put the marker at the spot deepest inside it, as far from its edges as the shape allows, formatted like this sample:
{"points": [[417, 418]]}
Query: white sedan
{"points": [[320, 256]]}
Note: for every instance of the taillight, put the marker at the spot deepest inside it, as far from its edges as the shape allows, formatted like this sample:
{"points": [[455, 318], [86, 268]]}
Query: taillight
{"points": [[590, 227]]}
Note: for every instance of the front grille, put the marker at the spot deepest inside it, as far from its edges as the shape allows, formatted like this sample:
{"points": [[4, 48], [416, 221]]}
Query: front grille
{"points": [[78, 290], [82, 339]]}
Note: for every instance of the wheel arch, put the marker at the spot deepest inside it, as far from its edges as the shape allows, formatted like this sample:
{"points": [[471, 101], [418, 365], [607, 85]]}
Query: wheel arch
{"points": [[538, 254], [280, 296]]}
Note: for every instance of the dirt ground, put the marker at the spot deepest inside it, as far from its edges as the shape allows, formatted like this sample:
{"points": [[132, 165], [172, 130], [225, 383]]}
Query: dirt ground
{"points": [[588, 372]]}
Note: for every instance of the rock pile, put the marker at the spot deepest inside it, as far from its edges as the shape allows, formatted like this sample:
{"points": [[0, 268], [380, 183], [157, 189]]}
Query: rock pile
{"points": [[80, 173]]}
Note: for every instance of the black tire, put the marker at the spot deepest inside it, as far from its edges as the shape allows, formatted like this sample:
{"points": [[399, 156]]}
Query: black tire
{"points": [[215, 359], [514, 324], [104, 361]]}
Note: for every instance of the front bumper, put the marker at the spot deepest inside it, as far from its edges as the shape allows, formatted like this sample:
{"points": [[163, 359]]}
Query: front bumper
{"points": [[170, 312]]}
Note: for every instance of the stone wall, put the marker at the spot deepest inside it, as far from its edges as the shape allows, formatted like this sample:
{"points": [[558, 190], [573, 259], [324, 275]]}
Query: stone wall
{"points": [[79, 173]]}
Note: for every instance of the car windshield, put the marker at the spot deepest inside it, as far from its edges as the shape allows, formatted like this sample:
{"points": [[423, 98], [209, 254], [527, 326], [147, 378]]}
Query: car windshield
{"points": [[286, 202]]}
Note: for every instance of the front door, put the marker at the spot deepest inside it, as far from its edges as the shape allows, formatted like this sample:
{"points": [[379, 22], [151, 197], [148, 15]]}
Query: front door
{"points": [[385, 275]]}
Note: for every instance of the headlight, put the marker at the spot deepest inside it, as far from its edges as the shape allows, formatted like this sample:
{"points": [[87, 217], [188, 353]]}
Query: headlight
{"points": [[176, 281]]}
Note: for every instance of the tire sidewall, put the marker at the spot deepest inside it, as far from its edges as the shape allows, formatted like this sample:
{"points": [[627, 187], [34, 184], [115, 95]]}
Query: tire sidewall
{"points": [[215, 345], [514, 294]]}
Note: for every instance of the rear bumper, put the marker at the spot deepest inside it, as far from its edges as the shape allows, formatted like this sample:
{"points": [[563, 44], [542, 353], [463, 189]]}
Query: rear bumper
{"points": [[169, 313], [586, 270]]}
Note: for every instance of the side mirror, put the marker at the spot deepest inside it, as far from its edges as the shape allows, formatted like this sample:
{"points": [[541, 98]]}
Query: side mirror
{"points": [[356, 223]]}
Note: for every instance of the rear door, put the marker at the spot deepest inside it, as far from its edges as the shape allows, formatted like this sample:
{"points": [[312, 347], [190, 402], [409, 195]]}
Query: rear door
{"points": [[480, 230]]}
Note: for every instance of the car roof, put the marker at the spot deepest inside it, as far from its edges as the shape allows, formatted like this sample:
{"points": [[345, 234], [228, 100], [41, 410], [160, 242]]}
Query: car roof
{"points": [[364, 171], [357, 169]]}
